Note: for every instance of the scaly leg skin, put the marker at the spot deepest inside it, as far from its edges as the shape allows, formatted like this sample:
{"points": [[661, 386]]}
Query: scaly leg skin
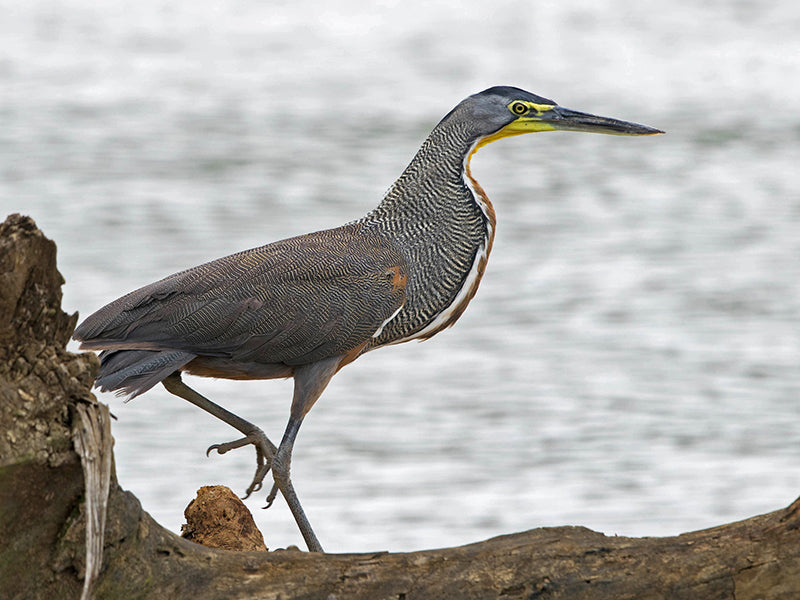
{"points": [[281, 467], [265, 449]]}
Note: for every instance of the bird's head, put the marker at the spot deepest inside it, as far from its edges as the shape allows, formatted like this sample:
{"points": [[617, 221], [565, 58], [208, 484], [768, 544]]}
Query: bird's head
{"points": [[505, 111]]}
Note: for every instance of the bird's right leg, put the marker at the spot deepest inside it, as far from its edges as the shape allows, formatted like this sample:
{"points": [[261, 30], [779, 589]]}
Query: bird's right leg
{"points": [[265, 449], [309, 382]]}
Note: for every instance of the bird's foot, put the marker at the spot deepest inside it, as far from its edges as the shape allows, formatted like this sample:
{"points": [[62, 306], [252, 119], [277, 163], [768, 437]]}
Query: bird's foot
{"points": [[281, 467], [265, 453]]}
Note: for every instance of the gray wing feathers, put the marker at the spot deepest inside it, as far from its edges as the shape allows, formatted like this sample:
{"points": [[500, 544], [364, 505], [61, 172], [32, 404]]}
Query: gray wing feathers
{"points": [[294, 302]]}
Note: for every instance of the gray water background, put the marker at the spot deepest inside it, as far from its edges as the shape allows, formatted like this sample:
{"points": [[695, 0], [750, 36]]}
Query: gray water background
{"points": [[631, 362]]}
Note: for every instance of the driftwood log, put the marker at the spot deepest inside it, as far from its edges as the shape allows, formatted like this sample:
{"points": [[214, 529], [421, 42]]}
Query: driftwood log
{"points": [[68, 530]]}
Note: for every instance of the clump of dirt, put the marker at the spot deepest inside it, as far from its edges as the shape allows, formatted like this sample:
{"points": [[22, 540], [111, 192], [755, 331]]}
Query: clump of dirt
{"points": [[217, 518]]}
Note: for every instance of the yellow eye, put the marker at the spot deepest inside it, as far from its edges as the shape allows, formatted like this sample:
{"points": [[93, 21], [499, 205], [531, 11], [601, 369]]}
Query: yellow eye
{"points": [[518, 108]]}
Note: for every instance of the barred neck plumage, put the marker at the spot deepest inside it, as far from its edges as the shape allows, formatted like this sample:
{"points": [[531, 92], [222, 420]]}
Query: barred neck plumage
{"points": [[441, 221]]}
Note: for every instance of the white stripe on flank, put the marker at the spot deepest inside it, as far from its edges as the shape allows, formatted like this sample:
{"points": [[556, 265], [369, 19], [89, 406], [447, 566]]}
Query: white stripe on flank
{"points": [[386, 322]]}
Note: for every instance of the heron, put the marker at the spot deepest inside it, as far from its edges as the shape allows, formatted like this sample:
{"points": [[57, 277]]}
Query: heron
{"points": [[306, 306]]}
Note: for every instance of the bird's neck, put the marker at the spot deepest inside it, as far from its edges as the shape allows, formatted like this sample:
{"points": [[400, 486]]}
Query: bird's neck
{"points": [[442, 222], [437, 180]]}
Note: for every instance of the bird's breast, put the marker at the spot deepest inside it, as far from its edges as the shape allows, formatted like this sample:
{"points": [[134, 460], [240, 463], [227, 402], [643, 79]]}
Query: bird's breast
{"points": [[447, 253]]}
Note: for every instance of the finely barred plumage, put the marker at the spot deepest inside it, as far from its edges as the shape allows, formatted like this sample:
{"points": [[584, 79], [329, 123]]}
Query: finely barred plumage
{"points": [[306, 306], [433, 217]]}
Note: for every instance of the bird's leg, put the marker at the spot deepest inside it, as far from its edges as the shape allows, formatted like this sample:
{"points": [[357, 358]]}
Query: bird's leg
{"points": [[265, 449], [309, 382], [281, 467]]}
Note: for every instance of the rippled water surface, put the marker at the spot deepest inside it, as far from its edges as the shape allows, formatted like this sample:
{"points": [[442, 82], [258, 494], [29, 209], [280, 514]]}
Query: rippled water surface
{"points": [[632, 360]]}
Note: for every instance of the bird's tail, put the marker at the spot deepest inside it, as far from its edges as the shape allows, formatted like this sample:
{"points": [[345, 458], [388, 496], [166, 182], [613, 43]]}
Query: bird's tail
{"points": [[133, 372]]}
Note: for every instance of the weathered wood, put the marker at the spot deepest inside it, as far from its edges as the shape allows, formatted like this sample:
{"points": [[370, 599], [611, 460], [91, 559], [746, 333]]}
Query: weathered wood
{"points": [[93, 443], [43, 514]]}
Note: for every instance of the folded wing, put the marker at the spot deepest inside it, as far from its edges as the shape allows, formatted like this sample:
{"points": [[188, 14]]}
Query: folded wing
{"points": [[291, 302]]}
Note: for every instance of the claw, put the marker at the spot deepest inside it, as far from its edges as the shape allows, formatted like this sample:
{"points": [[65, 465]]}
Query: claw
{"points": [[272, 495], [258, 480], [228, 446], [265, 451]]}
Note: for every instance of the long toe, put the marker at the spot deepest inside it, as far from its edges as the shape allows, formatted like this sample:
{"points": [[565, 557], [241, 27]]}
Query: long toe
{"points": [[265, 454], [273, 493], [258, 479], [257, 438]]}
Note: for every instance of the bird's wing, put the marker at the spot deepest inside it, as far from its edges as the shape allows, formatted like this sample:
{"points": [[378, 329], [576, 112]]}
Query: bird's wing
{"points": [[293, 302]]}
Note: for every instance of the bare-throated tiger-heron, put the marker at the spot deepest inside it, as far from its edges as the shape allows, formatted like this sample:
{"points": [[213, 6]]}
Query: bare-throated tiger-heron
{"points": [[306, 306]]}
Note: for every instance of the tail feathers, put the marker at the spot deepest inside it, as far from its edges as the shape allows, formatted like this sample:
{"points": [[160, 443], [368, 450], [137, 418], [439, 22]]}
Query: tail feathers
{"points": [[133, 372]]}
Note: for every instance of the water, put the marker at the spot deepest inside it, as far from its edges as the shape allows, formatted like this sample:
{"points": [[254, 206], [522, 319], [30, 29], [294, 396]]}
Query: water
{"points": [[631, 360]]}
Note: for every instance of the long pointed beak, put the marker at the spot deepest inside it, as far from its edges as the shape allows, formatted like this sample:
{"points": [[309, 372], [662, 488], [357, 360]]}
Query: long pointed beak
{"points": [[572, 120], [549, 118]]}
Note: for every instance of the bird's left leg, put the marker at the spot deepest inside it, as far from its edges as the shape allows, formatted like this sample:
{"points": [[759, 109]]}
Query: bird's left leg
{"points": [[309, 383], [265, 449]]}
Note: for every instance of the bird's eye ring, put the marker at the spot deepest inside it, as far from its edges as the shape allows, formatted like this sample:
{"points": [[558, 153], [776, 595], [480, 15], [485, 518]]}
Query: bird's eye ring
{"points": [[519, 108]]}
